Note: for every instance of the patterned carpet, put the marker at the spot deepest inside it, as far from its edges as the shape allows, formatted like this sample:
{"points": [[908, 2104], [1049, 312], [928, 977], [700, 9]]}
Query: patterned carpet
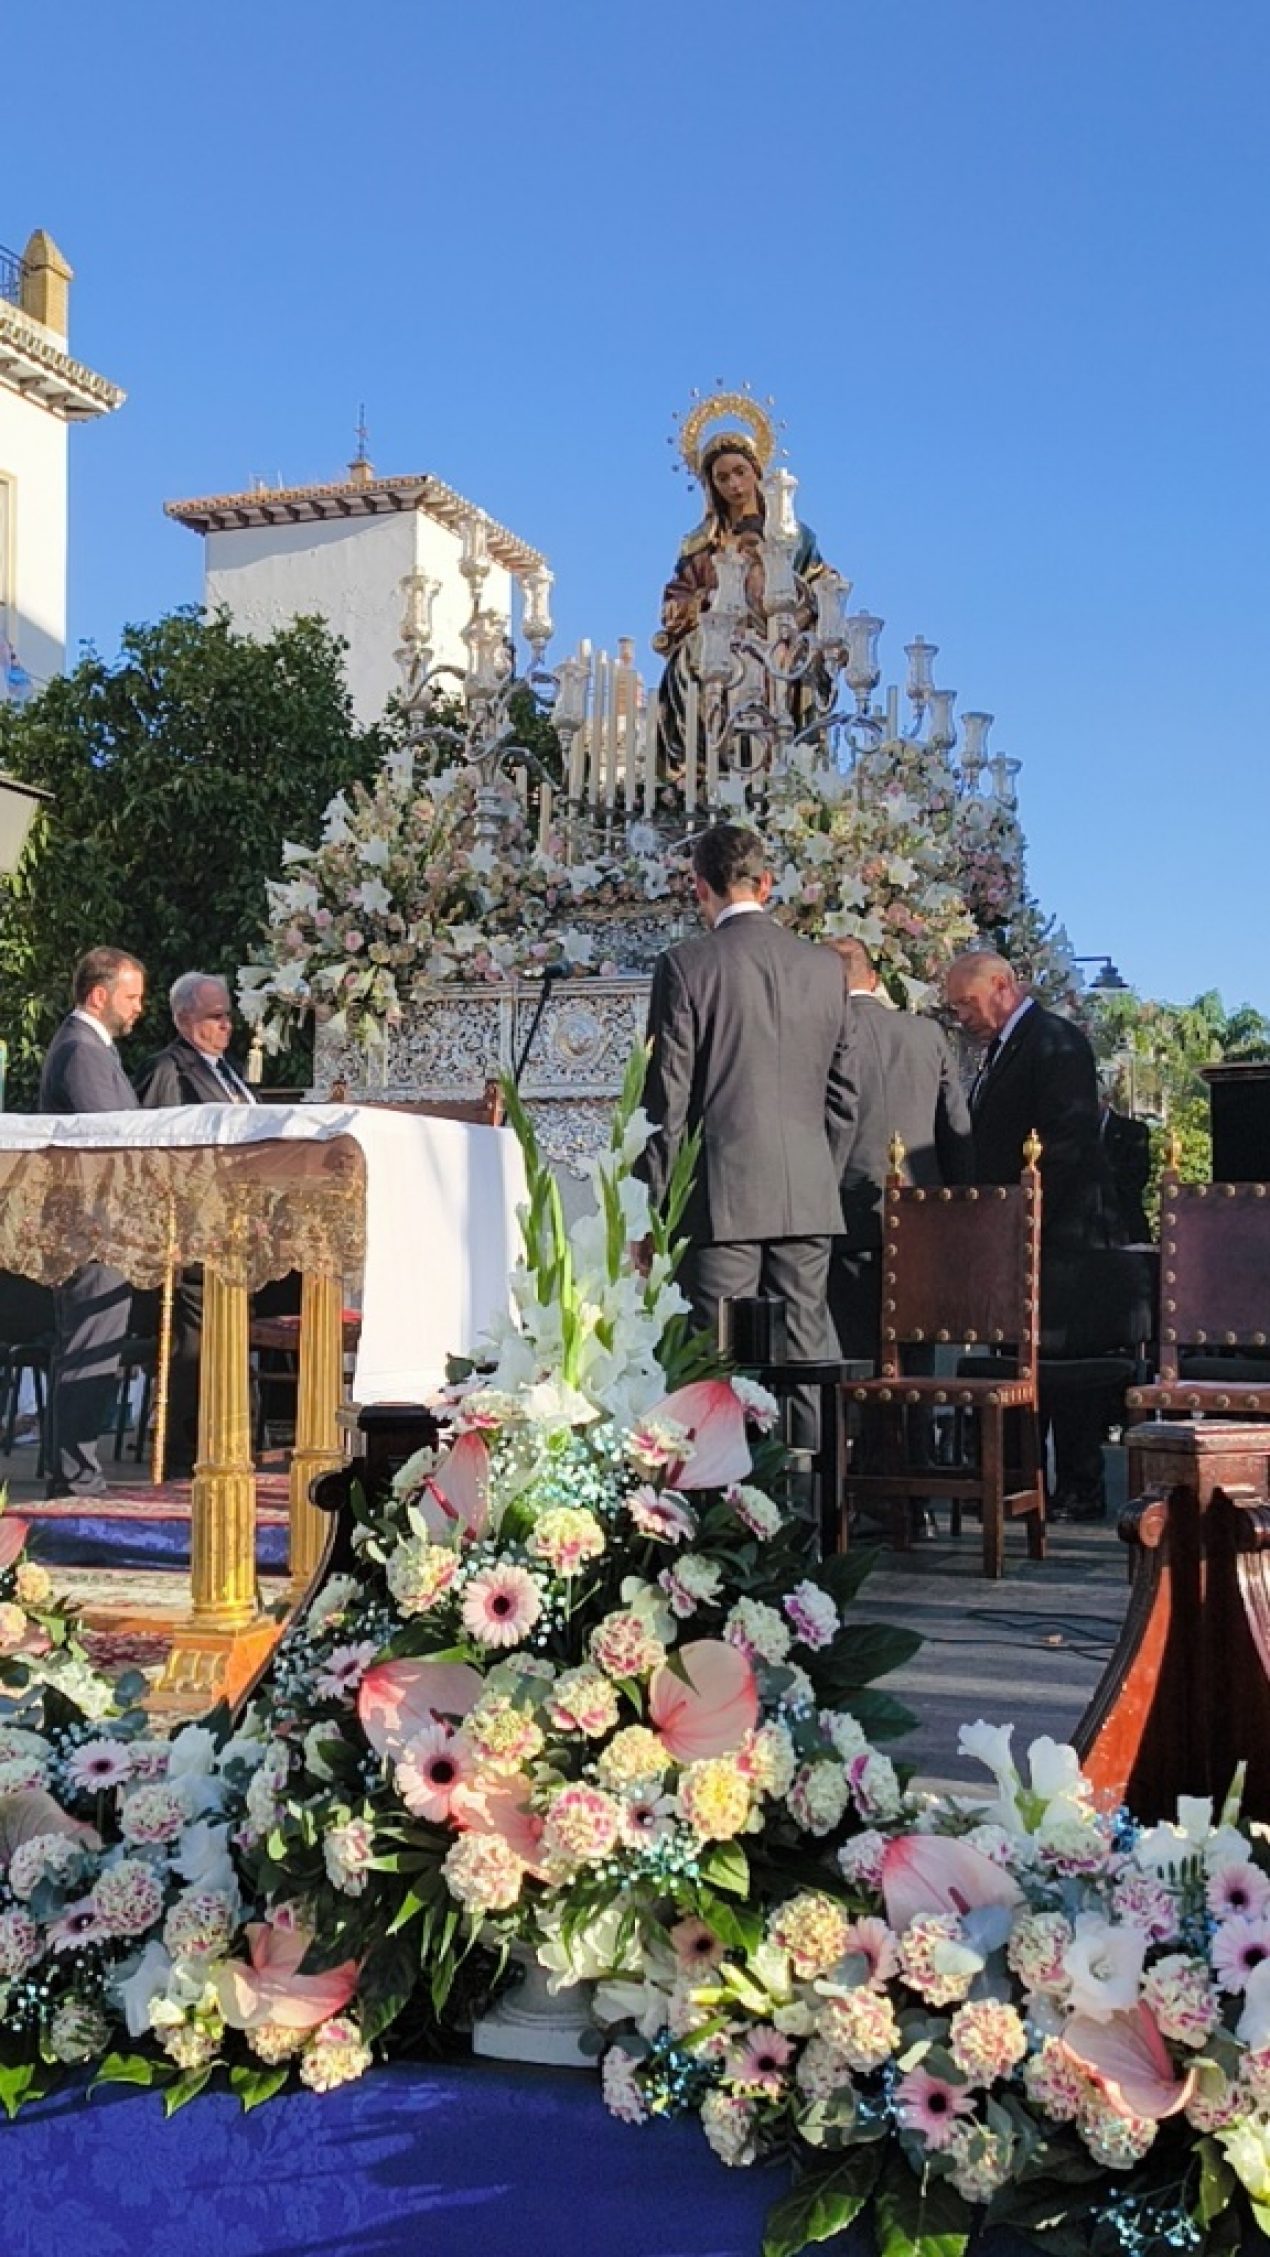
{"points": [[171, 1501]]}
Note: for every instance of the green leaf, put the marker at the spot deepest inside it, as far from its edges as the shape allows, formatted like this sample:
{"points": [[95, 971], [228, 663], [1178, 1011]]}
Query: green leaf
{"points": [[186, 2088], [867, 1650], [920, 2218], [739, 1927], [726, 1866], [880, 1715], [822, 2204], [1217, 2182], [16, 2086], [256, 2085], [127, 2069]]}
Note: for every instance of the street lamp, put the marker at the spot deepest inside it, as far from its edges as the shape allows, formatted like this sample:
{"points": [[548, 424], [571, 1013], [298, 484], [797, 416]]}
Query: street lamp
{"points": [[1108, 979], [19, 806]]}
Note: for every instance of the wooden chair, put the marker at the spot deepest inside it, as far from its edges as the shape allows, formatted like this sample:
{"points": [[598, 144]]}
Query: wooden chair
{"points": [[960, 1265], [1214, 1302]]}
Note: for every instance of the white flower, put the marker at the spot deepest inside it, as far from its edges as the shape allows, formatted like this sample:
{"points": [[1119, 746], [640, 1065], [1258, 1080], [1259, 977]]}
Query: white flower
{"points": [[148, 1980], [373, 895], [202, 1858], [1103, 1963], [1253, 2027], [373, 853], [990, 1745], [1055, 1769]]}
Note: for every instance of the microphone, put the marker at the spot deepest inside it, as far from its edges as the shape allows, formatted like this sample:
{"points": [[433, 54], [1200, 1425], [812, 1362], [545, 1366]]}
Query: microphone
{"points": [[551, 974]]}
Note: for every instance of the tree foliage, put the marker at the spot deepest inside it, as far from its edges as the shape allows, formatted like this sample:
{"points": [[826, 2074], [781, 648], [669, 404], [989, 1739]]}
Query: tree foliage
{"points": [[1153, 1054], [177, 771]]}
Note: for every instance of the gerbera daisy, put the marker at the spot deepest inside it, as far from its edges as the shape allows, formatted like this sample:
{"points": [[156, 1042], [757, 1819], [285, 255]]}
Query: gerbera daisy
{"points": [[1238, 1946], [758, 2061], [81, 1924], [695, 1944], [1239, 1888], [662, 1514], [931, 2105], [435, 1765], [501, 1605], [98, 1764], [344, 1669]]}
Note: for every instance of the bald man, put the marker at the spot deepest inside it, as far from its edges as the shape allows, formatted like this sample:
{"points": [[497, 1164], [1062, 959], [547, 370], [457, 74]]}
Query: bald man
{"points": [[1037, 1072]]}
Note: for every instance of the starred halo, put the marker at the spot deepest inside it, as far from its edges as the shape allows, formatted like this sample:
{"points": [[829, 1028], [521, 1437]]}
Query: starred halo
{"points": [[710, 419]]}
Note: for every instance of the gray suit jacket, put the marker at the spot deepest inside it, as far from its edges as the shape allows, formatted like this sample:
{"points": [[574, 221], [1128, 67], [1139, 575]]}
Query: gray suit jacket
{"points": [[751, 1042], [908, 1085], [82, 1074]]}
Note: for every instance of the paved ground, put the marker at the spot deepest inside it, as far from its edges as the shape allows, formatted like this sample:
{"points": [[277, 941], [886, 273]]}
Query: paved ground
{"points": [[1029, 1649]]}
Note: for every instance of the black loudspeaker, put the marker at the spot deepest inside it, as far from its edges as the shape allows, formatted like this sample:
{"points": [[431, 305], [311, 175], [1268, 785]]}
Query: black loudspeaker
{"points": [[1239, 1101], [753, 1330]]}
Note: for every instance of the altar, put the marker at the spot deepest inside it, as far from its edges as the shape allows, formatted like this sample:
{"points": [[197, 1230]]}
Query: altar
{"points": [[414, 1218]]}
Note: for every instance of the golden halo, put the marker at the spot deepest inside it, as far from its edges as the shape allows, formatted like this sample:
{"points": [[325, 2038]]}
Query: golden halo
{"points": [[740, 407]]}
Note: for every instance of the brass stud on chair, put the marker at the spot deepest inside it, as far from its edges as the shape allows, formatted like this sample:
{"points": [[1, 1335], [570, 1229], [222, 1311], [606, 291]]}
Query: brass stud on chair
{"points": [[972, 1337], [973, 1192]]}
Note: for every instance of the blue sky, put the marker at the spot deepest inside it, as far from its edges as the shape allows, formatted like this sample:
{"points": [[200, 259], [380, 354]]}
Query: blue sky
{"points": [[1002, 262]]}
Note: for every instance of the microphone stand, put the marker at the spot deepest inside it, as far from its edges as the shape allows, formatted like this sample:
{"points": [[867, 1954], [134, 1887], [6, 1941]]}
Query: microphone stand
{"points": [[550, 976]]}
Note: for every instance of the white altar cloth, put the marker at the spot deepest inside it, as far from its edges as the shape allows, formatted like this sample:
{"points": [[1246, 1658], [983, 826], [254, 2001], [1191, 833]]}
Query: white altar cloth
{"points": [[441, 1224]]}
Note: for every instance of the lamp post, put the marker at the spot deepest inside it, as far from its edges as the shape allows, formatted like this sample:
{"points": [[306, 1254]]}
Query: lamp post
{"points": [[19, 806], [1108, 980]]}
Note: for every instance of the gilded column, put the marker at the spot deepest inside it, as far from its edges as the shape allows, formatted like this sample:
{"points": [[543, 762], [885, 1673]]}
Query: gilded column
{"points": [[223, 1499], [317, 1437]]}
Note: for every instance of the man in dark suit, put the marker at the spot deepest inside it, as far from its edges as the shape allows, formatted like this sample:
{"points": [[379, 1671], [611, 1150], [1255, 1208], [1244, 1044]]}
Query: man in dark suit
{"points": [[751, 1044], [82, 1074], [907, 1085], [1038, 1072], [1127, 1144], [193, 1070]]}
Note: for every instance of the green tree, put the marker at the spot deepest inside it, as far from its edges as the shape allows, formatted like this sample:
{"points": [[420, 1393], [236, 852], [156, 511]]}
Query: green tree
{"points": [[177, 772], [1153, 1054]]}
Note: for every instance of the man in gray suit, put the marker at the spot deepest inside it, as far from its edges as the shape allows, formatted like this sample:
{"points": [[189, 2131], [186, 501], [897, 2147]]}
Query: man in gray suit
{"points": [[907, 1086], [82, 1074], [750, 1044]]}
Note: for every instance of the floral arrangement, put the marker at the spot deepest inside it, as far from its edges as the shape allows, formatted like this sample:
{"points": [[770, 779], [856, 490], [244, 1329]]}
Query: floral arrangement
{"points": [[398, 898], [1015, 2009], [583, 1688]]}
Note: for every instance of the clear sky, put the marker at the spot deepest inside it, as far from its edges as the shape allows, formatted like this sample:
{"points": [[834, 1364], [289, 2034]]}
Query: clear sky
{"points": [[1003, 263]]}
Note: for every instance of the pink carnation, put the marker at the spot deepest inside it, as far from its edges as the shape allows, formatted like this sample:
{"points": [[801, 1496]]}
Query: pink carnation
{"points": [[623, 1647], [583, 1825], [986, 2040]]}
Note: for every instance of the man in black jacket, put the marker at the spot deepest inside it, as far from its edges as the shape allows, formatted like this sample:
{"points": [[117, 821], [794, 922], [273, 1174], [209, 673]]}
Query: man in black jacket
{"points": [[82, 1074], [193, 1070], [1038, 1072]]}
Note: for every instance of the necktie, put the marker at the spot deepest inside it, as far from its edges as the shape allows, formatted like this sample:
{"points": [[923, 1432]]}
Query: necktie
{"points": [[989, 1061], [229, 1081]]}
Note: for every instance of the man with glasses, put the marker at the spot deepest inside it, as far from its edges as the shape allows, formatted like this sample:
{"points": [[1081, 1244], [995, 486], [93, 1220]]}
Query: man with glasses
{"points": [[193, 1070]]}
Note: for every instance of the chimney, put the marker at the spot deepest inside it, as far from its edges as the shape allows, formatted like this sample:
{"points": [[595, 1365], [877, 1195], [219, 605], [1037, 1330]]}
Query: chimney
{"points": [[46, 281]]}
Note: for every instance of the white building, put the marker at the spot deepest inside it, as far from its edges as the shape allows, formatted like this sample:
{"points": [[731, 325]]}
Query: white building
{"points": [[42, 390], [341, 552]]}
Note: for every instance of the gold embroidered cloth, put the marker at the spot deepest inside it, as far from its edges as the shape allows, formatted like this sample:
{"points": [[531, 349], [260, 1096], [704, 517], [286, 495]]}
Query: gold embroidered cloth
{"points": [[251, 1212]]}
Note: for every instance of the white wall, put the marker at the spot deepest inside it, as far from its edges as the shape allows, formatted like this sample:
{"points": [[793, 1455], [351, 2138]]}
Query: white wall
{"points": [[33, 454], [347, 571]]}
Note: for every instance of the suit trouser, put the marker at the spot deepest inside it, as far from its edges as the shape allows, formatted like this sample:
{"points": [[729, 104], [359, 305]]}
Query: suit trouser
{"points": [[795, 1269], [90, 1320], [855, 1299]]}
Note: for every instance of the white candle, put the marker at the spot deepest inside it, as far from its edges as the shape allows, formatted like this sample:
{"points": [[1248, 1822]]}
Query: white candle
{"points": [[690, 744], [610, 735], [599, 687], [712, 760], [650, 755]]}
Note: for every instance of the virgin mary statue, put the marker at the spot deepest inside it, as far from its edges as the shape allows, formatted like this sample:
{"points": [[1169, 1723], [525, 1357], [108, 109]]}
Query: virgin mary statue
{"points": [[729, 465]]}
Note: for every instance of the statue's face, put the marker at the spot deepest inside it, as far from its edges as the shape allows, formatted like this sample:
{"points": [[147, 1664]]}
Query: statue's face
{"points": [[735, 482]]}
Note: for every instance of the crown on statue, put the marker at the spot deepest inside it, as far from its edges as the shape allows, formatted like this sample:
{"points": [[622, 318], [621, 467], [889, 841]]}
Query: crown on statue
{"points": [[725, 419]]}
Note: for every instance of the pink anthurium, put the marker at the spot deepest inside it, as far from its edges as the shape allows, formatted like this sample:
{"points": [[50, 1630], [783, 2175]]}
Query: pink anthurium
{"points": [[714, 1417], [272, 1989], [503, 1811], [13, 1536], [1128, 2061], [456, 1495], [930, 1873], [34, 1811], [704, 1702], [397, 1699]]}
